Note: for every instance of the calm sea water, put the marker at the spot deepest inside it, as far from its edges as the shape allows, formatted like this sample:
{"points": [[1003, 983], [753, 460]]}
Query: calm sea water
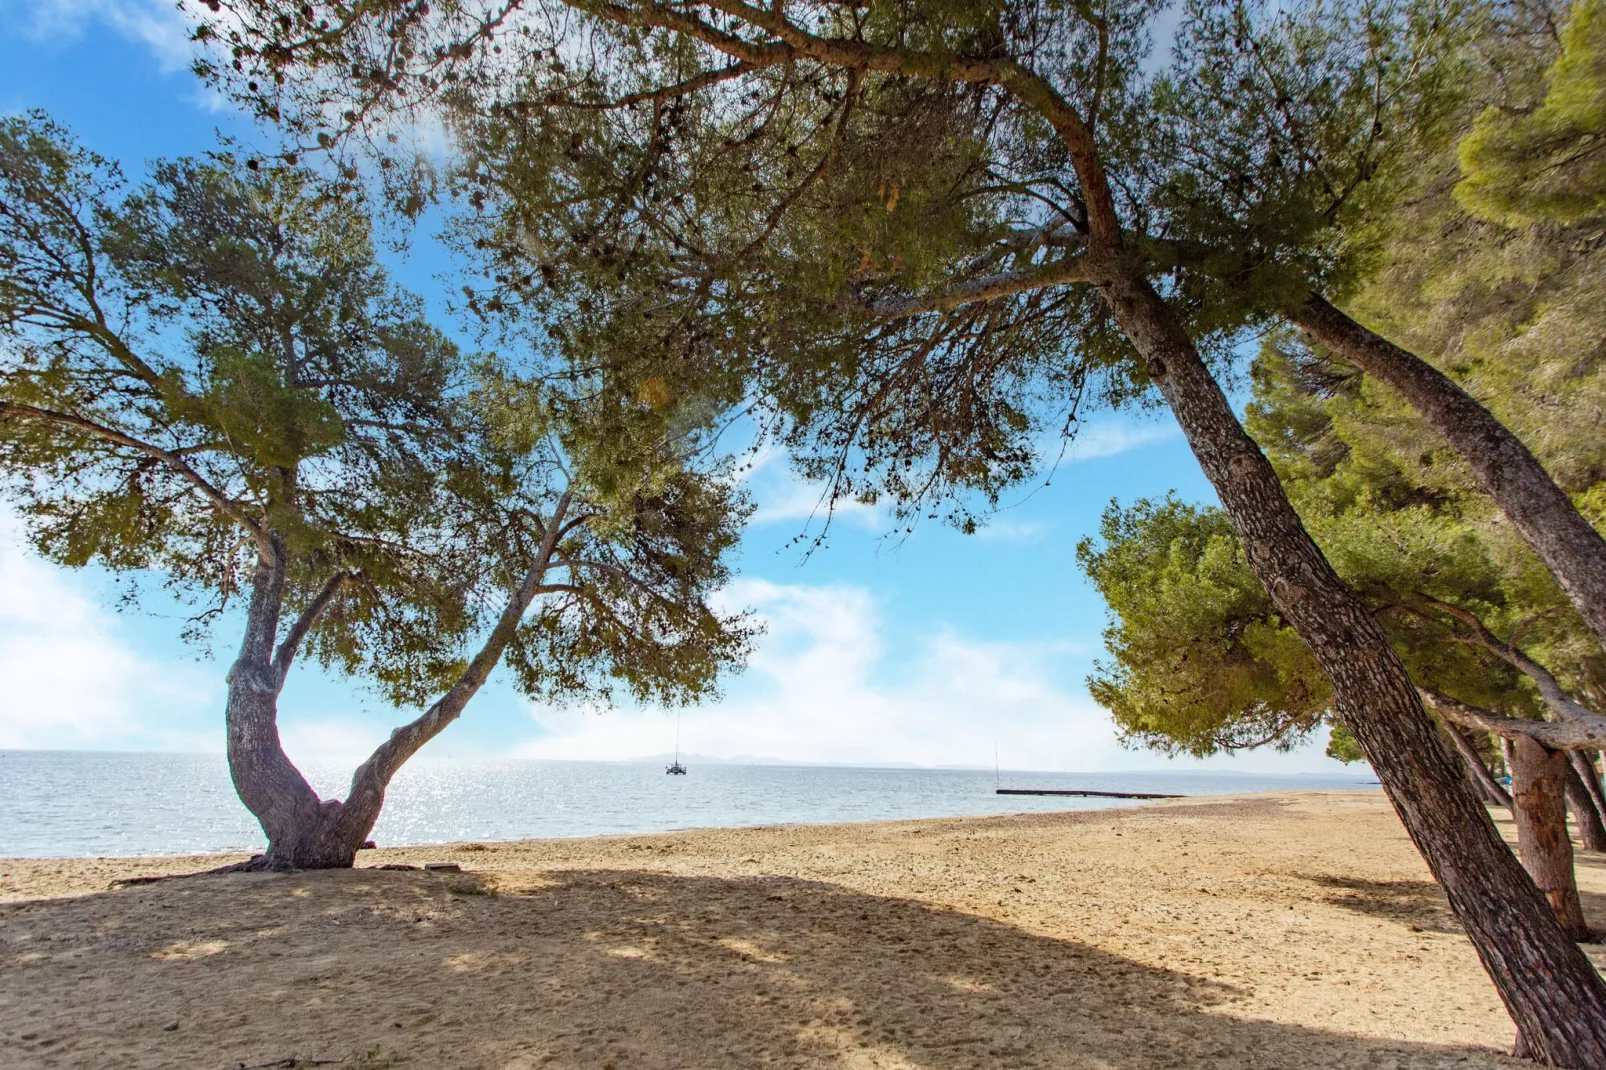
{"points": [[70, 803]]}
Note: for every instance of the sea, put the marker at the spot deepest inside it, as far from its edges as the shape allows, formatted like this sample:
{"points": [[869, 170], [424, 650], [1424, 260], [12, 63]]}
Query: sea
{"points": [[63, 804]]}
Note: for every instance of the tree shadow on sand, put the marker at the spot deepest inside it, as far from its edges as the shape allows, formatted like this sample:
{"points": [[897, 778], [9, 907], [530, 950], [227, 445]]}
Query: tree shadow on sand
{"points": [[604, 970], [1419, 905]]}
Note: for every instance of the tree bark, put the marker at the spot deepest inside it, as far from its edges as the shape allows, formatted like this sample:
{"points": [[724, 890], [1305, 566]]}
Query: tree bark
{"points": [[1591, 830], [1582, 733], [1483, 781], [1538, 785], [272, 788], [1553, 993], [305, 832], [1584, 762], [1541, 512]]}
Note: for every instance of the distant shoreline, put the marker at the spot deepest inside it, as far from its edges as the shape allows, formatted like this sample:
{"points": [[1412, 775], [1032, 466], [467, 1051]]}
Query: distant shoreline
{"points": [[367, 859], [740, 761]]}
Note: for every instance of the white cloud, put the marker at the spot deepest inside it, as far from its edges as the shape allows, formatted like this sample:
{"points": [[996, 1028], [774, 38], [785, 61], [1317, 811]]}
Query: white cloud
{"points": [[70, 679], [158, 24], [999, 529], [780, 496], [822, 688], [1108, 438]]}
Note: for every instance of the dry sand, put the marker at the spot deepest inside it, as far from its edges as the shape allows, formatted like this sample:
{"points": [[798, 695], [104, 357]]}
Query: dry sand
{"points": [[1289, 931]]}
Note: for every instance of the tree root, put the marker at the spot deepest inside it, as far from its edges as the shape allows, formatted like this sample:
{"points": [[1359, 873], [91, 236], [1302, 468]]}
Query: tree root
{"points": [[250, 865]]}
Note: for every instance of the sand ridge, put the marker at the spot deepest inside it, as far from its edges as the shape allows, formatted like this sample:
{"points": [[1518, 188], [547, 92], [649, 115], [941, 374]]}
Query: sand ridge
{"points": [[1283, 930]]}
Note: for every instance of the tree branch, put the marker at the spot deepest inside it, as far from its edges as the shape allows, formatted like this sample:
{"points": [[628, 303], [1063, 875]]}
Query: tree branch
{"points": [[668, 92], [369, 781], [1560, 703], [1587, 734], [220, 501], [988, 288], [309, 616]]}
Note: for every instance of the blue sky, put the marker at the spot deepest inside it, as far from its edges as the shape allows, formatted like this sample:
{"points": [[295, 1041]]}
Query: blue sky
{"points": [[931, 650]]}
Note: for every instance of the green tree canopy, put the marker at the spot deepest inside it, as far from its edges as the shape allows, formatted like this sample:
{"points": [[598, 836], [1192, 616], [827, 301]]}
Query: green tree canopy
{"points": [[1545, 162], [1200, 661]]}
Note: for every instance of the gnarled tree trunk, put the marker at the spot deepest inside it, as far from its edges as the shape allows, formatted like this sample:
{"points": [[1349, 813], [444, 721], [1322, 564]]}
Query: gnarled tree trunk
{"points": [[305, 832], [1553, 993], [1538, 783], [1541, 512], [269, 784]]}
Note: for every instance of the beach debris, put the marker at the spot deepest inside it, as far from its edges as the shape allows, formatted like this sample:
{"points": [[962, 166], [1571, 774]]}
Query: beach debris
{"points": [[288, 1063], [170, 1026], [368, 845], [396, 865], [443, 867]]}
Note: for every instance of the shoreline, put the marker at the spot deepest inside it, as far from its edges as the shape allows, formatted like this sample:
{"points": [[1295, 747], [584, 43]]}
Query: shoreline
{"points": [[370, 858], [1109, 803], [1269, 930]]}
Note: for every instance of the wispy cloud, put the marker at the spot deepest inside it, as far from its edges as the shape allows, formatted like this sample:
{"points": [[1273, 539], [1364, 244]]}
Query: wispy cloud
{"points": [[1020, 532], [824, 687], [1112, 437], [160, 25], [70, 679], [781, 497], [820, 688]]}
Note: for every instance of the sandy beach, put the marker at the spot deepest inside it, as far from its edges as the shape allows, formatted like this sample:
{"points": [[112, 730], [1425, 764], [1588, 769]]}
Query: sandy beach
{"points": [[1279, 930]]}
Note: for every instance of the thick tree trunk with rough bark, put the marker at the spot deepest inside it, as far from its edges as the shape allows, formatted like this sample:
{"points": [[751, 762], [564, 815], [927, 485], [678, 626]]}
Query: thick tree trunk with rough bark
{"points": [[1538, 784], [1553, 993], [1591, 830], [1541, 512]]}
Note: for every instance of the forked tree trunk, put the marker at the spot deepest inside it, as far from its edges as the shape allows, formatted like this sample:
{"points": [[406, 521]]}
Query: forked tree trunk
{"points": [[272, 788], [1552, 991], [1591, 831], [1541, 512], [305, 832], [1538, 784]]}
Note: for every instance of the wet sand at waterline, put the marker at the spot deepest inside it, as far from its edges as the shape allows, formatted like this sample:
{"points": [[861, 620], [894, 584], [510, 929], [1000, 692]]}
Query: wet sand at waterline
{"points": [[1280, 930]]}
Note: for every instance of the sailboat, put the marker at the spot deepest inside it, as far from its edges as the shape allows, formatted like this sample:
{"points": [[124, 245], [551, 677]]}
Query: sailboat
{"points": [[675, 768]]}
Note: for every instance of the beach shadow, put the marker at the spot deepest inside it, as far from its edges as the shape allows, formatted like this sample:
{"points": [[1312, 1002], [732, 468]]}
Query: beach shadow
{"points": [[1421, 905], [607, 970], [1417, 905]]}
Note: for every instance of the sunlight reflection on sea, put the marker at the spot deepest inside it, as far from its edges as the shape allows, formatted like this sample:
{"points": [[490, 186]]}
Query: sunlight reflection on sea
{"points": [[65, 804]]}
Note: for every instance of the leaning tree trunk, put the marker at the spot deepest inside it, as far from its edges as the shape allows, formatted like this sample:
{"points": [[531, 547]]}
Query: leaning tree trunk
{"points": [[1541, 512], [1554, 995], [1483, 781], [1590, 828], [1584, 762], [1538, 783]]}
